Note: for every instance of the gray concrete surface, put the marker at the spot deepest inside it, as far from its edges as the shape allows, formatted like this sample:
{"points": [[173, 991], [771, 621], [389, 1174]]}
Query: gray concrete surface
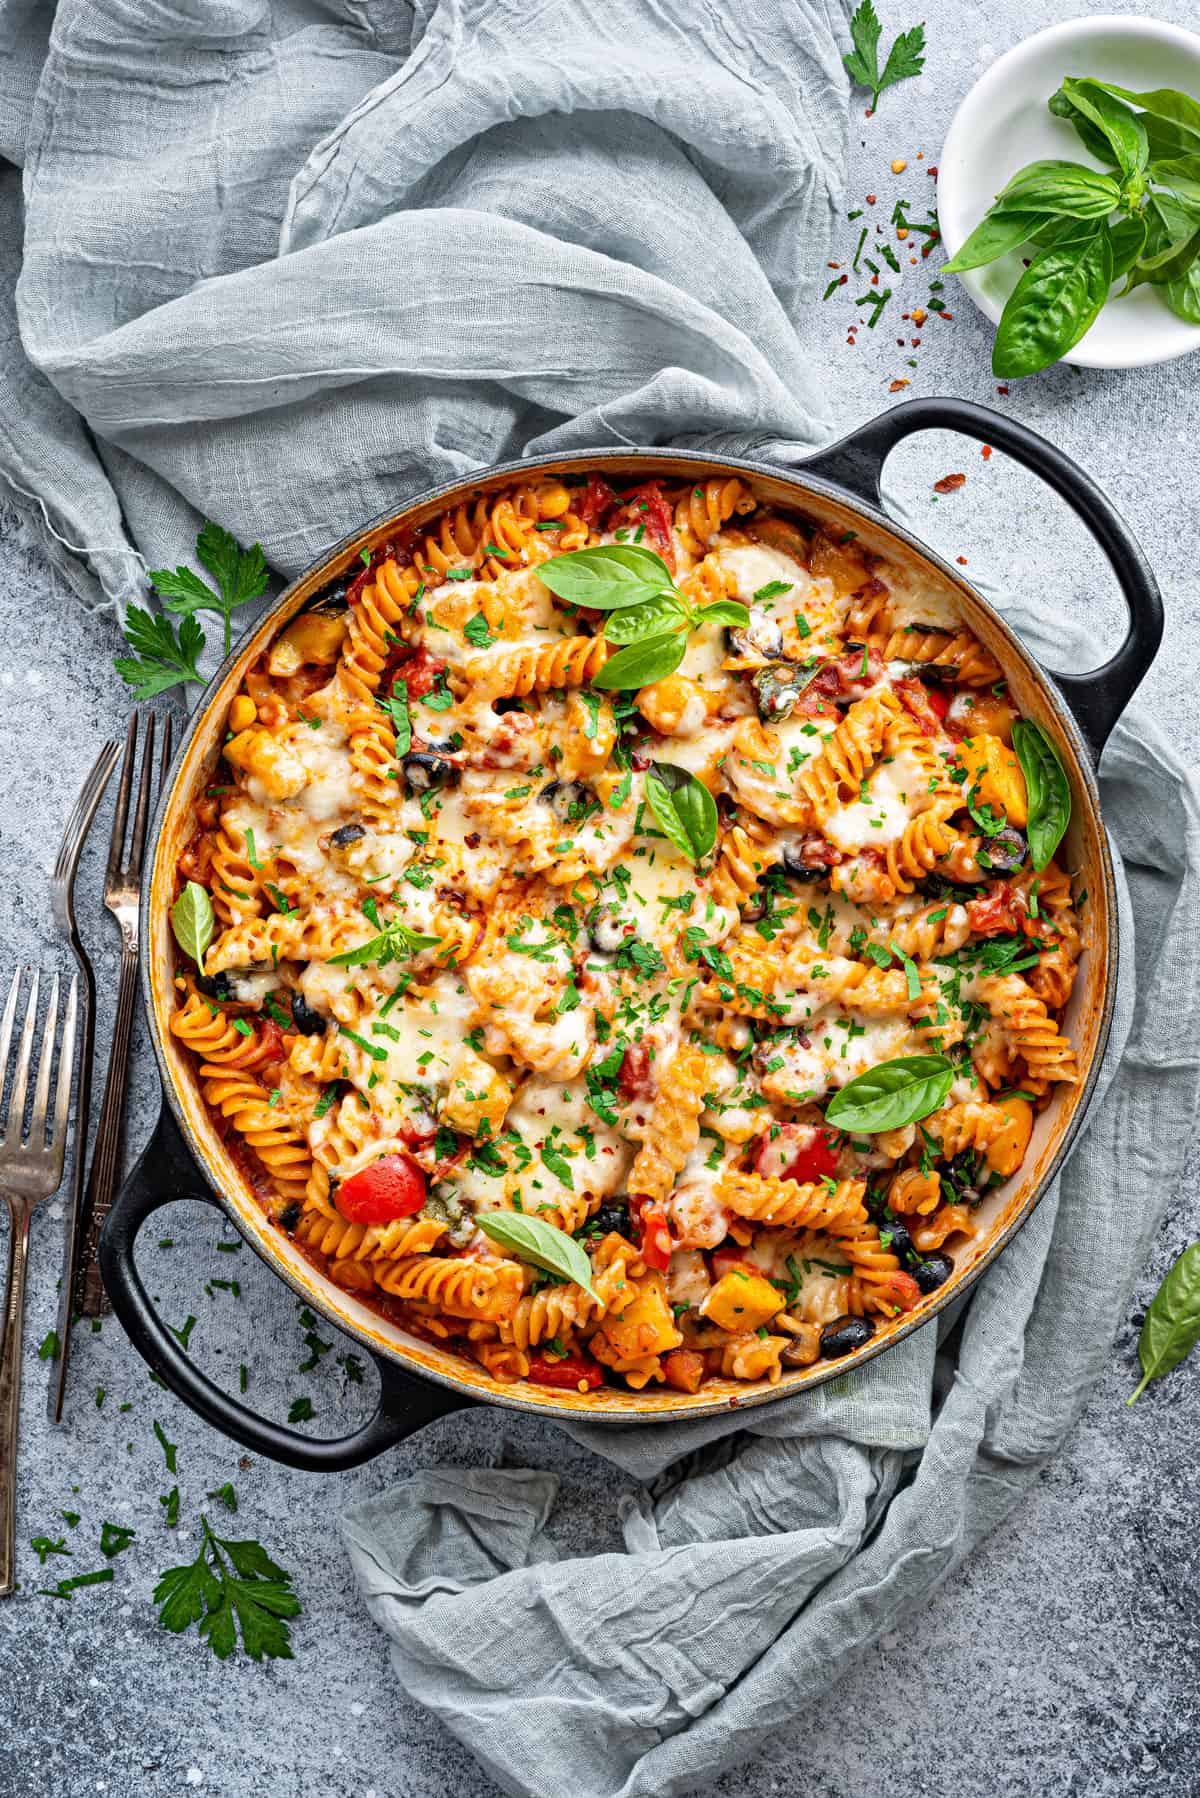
{"points": [[1062, 1660]]}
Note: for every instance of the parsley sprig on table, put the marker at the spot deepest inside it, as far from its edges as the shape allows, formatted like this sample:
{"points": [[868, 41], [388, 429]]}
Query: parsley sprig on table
{"points": [[906, 56], [165, 657], [230, 1587]]}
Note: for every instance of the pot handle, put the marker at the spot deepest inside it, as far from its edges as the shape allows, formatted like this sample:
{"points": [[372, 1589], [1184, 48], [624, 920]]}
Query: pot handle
{"points": [[166, 1172], [1097, 699]]}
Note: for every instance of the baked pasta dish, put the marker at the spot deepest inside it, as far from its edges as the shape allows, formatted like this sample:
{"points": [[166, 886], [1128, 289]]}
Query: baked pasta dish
{"points": [[622, 941]]}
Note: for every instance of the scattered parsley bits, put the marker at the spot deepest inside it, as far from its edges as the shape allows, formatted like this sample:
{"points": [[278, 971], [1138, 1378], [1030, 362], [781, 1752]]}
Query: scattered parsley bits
{"points": [[169, 1448], [115, 1538], [67, 1588]]}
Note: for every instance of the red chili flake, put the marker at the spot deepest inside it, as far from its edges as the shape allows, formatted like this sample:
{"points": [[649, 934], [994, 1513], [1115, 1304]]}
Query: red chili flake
{"points": [[950, 483], [961, 559], [897, 385], [1002, 390], [833, 265], [899, 343], [946, 315], [916, 342], [932, 170], [870, 199], [986, 452], [874, 280]]}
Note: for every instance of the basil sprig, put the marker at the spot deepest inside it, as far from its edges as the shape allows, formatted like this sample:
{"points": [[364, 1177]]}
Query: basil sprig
{"points": [[1048, 790], [396, 941], [541, 1243], [892, 1094], [192, 921], [647, 612], [1171, 1328], [1139, 219], [683, 807]]}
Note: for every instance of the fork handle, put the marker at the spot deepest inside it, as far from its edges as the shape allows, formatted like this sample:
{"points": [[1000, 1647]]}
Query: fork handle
{"points": [[10, 1388], [106, 1157]]}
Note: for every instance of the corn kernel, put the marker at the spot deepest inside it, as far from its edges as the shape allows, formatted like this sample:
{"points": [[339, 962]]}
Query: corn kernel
{"points": [[242, 713], [899, 166]]}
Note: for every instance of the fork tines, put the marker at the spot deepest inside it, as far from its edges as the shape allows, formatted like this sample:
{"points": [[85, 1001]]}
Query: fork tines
{"points": [[30, 1159], [126, 867]]}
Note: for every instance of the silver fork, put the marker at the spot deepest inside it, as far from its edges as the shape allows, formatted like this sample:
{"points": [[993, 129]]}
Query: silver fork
{"points": [[62, 888], [122, 896], [30, 1170]]}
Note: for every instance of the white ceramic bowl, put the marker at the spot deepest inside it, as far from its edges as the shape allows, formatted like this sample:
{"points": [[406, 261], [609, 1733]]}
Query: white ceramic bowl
{"points": [[1004, 123]]}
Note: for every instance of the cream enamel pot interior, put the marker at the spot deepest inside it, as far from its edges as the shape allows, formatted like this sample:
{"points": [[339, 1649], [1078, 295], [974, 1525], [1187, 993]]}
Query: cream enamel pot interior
{"points": [[186, 1158]]}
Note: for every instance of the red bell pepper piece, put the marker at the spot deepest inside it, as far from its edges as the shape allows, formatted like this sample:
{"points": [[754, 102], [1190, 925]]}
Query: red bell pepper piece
{"points": [[656, 1245], [568, 1372]]}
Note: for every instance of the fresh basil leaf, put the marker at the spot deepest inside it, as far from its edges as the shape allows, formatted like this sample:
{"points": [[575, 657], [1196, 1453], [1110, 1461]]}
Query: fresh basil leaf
{"points": [[998, 232], [1067, 188], [1053, 304], [652, 618], [541, 1243], [1166, 105], [1183, 295], [1123, 129], [608, 578], [192, 921], [1047, 787], [683, 807], [891, 1094], [1170, 170], [1174, 249], [1061, 230], [724, 611], [1092, 138], [1171, 1328], [642, 663], [1128, 239]]}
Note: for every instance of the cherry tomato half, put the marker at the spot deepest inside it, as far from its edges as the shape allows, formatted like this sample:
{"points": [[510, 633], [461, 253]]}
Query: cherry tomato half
{"points": [[390, 1188]]}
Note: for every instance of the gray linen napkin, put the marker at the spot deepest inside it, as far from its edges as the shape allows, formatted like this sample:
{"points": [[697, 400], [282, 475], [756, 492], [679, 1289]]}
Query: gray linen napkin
{"points": [[281, 266]]}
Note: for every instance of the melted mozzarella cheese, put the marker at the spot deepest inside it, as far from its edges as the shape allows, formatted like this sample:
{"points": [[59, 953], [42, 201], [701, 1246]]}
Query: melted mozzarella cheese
{"points": [[893, 791]]}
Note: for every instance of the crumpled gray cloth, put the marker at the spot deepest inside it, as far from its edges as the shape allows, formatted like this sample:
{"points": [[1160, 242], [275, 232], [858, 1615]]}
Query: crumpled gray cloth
{"points": [[283, 265]]}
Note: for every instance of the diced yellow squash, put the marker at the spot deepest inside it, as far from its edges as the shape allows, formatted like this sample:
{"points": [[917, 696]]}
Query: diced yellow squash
{"points": [[242, 713], [674, 706], [988, 713], [840, 563], [1006, 1152], [742, 1301], [645, 1326], [478, 1097], [313, 637], [994, 776], [278, 768]]}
